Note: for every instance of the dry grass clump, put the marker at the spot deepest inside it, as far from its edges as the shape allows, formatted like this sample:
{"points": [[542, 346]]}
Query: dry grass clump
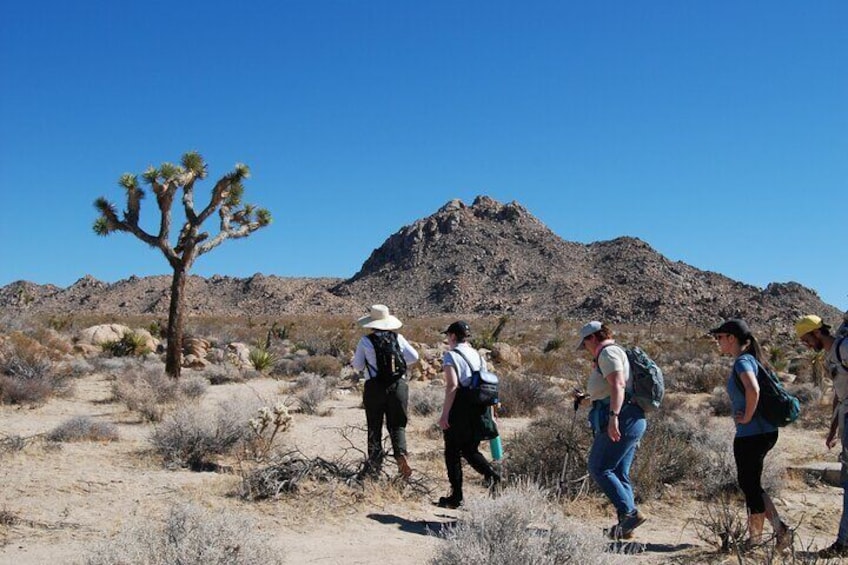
{"points": [[311, 390], [9, 444], [29, 372], [520, 526], [527, 395], [190, 535], [145, 388], [192, 436], [225, 373], [83, 428], [193, 387], [426, 401]]}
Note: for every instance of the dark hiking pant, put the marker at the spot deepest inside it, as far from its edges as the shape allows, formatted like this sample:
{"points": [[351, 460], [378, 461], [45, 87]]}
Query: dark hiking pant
{"points": [[390, 403], [750, 452], [455, 451]]}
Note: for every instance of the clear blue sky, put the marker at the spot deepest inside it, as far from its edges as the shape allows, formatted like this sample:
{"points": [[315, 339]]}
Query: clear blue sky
{"points": [[715, 131]]}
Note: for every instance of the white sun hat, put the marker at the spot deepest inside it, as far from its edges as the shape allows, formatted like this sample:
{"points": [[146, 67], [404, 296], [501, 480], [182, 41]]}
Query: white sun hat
{"points": [[379, 319]]}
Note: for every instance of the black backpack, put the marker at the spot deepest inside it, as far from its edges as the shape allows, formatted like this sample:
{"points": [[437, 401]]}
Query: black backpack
{"points": [[391, 366], [777, 406], [484, 386]]}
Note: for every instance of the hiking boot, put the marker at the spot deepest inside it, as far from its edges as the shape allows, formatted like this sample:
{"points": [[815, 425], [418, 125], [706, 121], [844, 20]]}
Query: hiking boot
{"points": [[451, 502], [615, 532], [783, 537], [837, 549], [631, 522], [492, 481], [404, 469]]}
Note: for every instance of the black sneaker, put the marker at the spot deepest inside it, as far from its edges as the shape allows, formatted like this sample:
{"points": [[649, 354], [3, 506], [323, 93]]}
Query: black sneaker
{"points": [[836, 549], [449, 502]]}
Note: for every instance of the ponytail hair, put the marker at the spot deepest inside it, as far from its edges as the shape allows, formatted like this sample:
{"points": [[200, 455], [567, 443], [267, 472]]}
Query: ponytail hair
{"points": [[752, 346]]}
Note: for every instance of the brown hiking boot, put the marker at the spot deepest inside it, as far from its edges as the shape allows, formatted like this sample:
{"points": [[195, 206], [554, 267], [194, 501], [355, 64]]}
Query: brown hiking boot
{"points": [[403, 467]]}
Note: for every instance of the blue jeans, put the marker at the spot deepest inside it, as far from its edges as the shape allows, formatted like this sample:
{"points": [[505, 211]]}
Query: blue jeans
{"points": [[609, 461]]}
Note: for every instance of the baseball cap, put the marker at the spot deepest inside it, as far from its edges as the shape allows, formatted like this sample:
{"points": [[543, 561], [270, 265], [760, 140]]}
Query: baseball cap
{"points": [[586, 331], [459, 328], [736, 327]]}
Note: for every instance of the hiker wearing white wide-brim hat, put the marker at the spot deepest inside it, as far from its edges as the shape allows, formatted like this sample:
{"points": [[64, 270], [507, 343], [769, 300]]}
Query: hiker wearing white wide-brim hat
{"points": [[815, 334], [379, 319], [382, 357]]}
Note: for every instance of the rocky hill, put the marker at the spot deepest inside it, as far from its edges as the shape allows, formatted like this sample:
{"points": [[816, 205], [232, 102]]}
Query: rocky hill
{"points": [[487, 258]]}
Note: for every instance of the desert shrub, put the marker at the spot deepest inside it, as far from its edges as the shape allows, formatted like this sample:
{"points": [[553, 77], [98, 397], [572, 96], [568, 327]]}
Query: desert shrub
{"points": [[10, 444], [79, 367], [261, 359], [221, 374], [83, 428], [190, 535], [311, 390], [426, 401], [715, 467], [192, 435], [145, 388], [695, 375], [526, 395], [50, 339], [288, 367], [28, 374], [193, 387], [323, 365], [666, 454], [719, 402], [131, 344], [535, 362], [520, 526], [553, 344], [551, 452], [807, 393]]}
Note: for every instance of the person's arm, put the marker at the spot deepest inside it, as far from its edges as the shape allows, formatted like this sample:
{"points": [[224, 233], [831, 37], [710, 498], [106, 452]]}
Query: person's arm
{"points": [[409, 353], [834, 423], [616, 382], [752, 396], [359, 356], [451, 385]]}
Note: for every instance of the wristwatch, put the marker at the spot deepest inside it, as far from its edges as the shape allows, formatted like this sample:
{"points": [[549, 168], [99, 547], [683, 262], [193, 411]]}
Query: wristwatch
{"points": [[611, 413]]}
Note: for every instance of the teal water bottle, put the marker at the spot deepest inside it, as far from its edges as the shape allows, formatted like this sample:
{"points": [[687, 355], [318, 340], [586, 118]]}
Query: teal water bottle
{"points": [[496, 447]]}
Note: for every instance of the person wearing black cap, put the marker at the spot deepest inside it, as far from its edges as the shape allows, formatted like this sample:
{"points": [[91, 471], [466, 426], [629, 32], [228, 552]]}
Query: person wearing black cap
{"points": [[464, 425], [755, 436]]}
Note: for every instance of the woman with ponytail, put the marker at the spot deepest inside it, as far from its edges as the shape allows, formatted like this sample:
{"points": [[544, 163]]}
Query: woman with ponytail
{"points": [[754, 435]]}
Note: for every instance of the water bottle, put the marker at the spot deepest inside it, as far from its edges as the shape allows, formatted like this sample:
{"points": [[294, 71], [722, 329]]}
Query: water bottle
{"points": [[496, 447]]}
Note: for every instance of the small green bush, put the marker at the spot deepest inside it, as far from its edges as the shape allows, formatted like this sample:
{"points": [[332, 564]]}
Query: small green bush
{"points": [[132, 344], [261, 359]]}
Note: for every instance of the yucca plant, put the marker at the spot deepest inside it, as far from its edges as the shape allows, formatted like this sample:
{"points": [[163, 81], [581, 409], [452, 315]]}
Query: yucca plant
{"points": [[261, 359]]}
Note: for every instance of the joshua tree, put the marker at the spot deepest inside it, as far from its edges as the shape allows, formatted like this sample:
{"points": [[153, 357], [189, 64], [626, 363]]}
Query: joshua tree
{"points": [[236, 220]]}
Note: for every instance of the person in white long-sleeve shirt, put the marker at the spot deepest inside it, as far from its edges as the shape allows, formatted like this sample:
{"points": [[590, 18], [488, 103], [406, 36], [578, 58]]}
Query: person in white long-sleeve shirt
{"points": [[386, 393]]}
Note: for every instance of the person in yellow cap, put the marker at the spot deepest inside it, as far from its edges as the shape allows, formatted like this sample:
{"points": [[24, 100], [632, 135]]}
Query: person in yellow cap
{"points": [[815, 334]]}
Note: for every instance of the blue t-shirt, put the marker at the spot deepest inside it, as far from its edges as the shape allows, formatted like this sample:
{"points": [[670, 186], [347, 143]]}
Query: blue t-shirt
{"points": [[758, 425]]}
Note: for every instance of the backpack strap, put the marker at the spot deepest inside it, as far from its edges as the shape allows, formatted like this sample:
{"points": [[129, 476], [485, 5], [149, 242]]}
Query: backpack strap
{"points": [[470, 366], [372, 371]]}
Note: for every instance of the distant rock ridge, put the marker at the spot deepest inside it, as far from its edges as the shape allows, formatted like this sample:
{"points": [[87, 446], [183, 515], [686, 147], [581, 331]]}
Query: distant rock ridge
{"points": [[485, 259]]}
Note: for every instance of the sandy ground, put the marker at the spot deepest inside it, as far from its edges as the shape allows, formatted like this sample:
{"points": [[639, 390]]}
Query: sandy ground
{"points": [[67, 497]]}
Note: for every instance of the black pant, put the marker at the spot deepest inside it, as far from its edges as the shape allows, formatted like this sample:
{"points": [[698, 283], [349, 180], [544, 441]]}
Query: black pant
{"points": [[390, 402], [750, 452], [454, 452]]}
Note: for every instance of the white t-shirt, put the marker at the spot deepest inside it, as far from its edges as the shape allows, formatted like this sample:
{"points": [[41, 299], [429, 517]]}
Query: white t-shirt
{"points": [[463, 371], [611, 359]]}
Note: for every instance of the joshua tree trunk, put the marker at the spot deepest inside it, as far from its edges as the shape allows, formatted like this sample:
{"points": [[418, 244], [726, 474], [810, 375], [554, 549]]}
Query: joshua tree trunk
{"points": [[174, 354]]}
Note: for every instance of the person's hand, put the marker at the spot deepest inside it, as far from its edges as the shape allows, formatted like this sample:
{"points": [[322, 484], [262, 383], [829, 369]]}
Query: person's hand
{"points": [[831, 440], [740, 418], [443, 422], [612, 429]]}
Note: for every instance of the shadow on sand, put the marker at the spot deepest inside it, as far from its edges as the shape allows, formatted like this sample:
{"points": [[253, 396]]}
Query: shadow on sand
{"points": [[420, 527], [632, 547]]}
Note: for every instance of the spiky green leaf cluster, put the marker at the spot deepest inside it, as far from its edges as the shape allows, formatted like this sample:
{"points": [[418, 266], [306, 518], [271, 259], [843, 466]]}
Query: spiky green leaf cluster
{"points": [[101, 226], [263, 216], [193, 162]]}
